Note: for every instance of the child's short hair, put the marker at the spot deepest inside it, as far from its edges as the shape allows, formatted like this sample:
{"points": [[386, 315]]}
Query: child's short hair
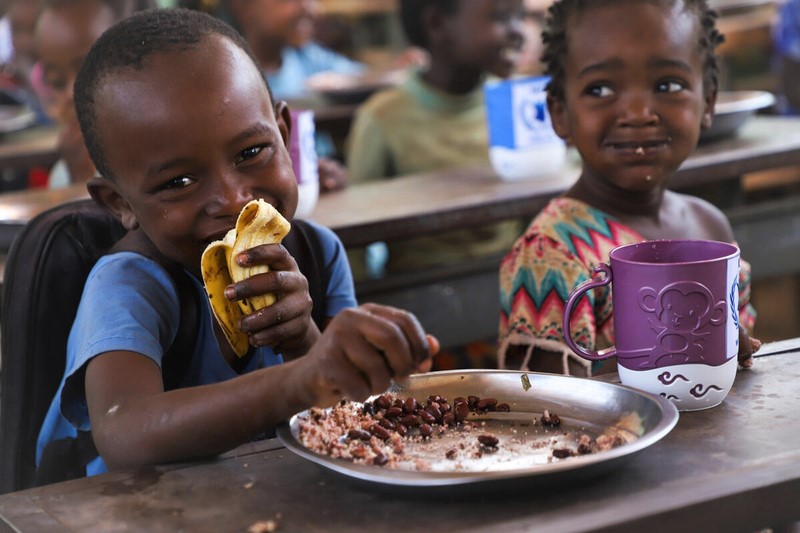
{"points": [[126, 46], [554, 38], [411, 18]]}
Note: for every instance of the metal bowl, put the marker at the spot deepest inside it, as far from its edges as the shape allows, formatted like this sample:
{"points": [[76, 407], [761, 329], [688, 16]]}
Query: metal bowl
{"points": [[732, 110], [15, 117], [585, 404], [347, 89]]}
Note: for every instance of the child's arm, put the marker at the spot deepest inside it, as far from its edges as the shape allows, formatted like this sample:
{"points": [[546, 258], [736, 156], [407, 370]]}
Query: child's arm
{"points": [[747, 347], [134, 422]]}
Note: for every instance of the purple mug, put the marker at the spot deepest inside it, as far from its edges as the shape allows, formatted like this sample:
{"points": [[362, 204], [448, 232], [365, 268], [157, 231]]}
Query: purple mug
{"points": [[303, 154], [676, 321]]}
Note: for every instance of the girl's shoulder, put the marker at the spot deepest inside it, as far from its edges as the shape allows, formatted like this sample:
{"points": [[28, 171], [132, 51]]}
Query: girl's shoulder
{"points": [[707, 219]]}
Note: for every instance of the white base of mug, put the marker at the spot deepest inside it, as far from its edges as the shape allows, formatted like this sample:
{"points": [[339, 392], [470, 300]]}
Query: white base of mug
{"points": [[690, 387]]}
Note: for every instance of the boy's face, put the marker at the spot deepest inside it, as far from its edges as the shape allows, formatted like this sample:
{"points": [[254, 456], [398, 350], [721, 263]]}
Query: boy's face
{"points": [[191, 138], [634, 98], [486, 35], [22, 15], [289, 22], [64, 35]]}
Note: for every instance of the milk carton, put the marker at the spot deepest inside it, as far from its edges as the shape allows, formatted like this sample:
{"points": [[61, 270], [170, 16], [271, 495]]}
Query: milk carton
{"points": [[303, 153], [522, 143]]}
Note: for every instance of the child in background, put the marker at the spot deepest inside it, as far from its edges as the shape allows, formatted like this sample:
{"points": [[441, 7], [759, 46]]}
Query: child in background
{"points": [[64, 33], [19, 53], [183, 130], [436, 119], [280, 33], [632, 99], [786, 46]]}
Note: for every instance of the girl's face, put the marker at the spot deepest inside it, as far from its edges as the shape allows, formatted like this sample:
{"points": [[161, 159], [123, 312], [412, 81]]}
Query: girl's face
{"points": [[64, 35], [634, 99], [486, 35], [192, 137]]}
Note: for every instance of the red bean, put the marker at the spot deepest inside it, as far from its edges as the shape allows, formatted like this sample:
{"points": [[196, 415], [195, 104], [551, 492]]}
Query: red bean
{"points": [[380, 460], [426, 417], [434, 411], [358, 434], [411, 421], [462, 411], [383, 401], [490, 441], [393, 412], [380, 432], [410, 405]]}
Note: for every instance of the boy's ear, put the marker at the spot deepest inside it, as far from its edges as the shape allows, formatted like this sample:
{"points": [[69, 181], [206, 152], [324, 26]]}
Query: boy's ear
{"points": [[105, 193], [708, 112], [558, 116], [432, 21], [284, 120]]}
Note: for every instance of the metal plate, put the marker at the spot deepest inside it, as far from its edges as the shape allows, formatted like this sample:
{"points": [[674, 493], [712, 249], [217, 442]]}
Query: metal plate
{"points": [[15, 117], [584, 404]]}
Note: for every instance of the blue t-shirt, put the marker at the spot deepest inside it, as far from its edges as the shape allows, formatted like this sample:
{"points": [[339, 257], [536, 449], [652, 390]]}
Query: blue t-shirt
{"points": [[299, 64], [130, 303], [786, 30]]}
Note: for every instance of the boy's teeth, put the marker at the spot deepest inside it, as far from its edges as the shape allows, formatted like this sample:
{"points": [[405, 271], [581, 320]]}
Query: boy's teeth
{"points": [[510, 54], [639, 150]]}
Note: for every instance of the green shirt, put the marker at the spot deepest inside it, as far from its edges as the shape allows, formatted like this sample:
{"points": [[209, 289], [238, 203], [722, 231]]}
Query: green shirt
{"points": [[416, 128]]}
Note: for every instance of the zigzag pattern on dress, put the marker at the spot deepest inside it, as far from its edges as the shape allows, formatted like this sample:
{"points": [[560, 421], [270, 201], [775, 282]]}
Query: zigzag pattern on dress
{"points": [[557, 254]]}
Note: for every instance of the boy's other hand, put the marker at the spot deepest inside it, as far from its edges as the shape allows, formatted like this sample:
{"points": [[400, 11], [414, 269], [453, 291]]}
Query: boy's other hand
{"points": [[361, 350], [332, 175], [286, 325]]}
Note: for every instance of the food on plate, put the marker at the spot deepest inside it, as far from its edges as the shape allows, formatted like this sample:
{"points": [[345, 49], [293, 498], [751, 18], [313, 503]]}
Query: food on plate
{"points": [[439, 435], [258, 223]]}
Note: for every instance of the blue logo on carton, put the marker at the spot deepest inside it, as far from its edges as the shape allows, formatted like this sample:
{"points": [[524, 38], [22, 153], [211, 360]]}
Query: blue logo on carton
{"points": [[516, 112]]}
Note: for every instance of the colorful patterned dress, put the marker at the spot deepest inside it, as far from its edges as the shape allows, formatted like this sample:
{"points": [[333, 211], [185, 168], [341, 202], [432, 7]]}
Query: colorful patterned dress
{"points": [[558, 252]]}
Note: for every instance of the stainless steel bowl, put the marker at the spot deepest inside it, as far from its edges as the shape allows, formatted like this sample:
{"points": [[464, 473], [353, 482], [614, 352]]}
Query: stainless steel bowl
{"points": [[732, 110]]}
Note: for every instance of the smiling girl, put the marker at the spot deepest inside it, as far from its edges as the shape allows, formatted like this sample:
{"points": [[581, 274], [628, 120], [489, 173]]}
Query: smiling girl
{"points": [[632, 99]]}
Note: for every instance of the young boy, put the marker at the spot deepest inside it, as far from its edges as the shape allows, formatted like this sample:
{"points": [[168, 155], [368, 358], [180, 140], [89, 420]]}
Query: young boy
{"points": [[64, 33], [280, 33], [436, 119], [181, 125]]}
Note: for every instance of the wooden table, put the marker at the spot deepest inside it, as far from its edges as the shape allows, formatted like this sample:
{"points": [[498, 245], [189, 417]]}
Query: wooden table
{"points": [[735, 467], [37, 146], [29, 148], [466, 296], [437, 201]]}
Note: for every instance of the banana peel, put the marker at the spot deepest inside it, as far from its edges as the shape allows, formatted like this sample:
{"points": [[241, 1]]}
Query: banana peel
{"points": [[258, 223]]}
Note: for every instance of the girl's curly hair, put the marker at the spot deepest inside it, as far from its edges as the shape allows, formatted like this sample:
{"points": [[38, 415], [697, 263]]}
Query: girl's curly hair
{"points": [[554, 37]]}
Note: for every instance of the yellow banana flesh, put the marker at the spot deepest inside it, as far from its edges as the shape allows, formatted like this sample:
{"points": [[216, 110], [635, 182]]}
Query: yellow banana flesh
{"points": [[258, 223]]}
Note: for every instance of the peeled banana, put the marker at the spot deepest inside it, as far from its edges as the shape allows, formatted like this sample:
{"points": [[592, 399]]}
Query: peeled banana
{"points": [[258, 223]]}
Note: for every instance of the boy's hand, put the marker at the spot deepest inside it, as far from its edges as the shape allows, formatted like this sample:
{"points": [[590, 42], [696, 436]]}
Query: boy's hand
{"points": [[361, 350], [332, 175], [285, 325], [747, 347]]}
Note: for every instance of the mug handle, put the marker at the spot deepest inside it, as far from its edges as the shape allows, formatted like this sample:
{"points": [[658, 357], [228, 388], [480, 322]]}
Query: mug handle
{"points": [[575, 295]]}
